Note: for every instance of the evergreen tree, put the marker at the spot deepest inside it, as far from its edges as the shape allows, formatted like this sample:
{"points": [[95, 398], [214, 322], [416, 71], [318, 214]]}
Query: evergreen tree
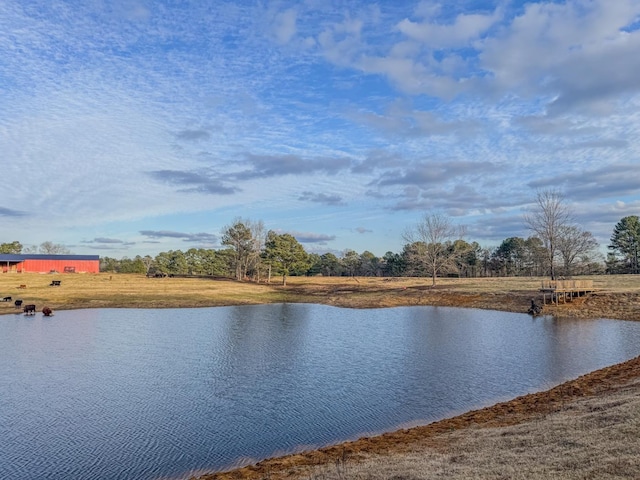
{"points": [[13, 247], [285, 254], [625, 241]]}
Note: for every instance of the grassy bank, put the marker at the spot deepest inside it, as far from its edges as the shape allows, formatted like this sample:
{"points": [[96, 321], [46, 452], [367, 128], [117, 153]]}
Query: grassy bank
{"points": [[129, 291], [618, 296]]}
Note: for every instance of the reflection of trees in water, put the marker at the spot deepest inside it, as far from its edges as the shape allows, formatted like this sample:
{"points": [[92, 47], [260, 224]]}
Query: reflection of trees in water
{"points": [[566, 340], [262, 337]]}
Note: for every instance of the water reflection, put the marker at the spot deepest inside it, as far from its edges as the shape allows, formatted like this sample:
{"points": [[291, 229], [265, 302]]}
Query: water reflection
{"points": [[137, 394]]}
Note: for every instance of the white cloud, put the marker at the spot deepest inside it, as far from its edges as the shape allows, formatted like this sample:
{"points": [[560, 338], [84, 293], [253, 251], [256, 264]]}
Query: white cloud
{"points": [[284, 26], [460, 33], [340, 43], [152, 116], [568, 51]]}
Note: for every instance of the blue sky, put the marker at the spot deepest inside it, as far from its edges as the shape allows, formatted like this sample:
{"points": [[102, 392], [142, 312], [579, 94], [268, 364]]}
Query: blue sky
{"points": [[132, 127]]}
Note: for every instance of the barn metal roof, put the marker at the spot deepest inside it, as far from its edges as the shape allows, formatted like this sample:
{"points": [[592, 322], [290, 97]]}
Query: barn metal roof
{"points": [[14, 257]]}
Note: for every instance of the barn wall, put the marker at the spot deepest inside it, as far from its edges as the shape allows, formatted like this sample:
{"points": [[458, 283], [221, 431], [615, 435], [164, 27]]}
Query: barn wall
{"points": [[45, 265]]}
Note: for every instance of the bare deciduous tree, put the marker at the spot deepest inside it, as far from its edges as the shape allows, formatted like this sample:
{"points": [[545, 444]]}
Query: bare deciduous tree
{"points": [[246, 238], [239, 237], [547, 219], [436, 233], [51, 248], [572, 243], [259, 238], [147, 261]]}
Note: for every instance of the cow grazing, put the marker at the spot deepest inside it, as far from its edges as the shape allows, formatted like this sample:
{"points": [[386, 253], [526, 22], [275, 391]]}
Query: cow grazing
{"points": [[47, 312], [6, 299], [29, 309]]}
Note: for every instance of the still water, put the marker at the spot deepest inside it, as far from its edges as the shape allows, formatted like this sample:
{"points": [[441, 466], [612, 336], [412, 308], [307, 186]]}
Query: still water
{"points": [[142, 394]]}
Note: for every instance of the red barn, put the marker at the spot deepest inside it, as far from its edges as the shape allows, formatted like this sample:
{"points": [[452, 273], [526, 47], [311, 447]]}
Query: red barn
{"points": [[29, 263]]}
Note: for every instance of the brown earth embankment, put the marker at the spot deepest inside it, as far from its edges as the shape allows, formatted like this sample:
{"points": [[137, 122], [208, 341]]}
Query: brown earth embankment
{"points": [[607, 435], [616, 297]]}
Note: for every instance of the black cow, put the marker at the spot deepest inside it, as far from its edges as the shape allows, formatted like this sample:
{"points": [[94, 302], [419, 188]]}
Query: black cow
{"points": [[6, 299], [18, 303], [29, 309], [534, 309]]}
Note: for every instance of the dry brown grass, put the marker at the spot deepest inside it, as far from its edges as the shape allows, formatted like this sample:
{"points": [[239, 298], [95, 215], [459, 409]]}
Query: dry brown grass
{"points": [[470, 285], [618, 297], [594, 438], [130, 291]]}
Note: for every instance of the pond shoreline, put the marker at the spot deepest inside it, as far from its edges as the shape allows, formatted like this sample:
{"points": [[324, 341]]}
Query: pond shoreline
{"points": [[368, 455], [618, 297]]}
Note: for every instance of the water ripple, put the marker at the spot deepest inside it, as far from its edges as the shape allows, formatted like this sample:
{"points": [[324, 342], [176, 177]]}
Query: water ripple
{"points": [[143, 394]]}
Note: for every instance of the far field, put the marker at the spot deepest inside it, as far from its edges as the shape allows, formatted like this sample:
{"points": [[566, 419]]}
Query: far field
{"points": [[617, 296]]}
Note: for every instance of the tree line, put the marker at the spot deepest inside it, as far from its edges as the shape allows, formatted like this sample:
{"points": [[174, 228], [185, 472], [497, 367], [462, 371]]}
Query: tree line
{"points": [[434, 247], [47, 248]]}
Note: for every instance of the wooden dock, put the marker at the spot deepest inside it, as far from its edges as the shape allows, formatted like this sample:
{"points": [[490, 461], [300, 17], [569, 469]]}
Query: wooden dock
{"points": [[565, 290]]}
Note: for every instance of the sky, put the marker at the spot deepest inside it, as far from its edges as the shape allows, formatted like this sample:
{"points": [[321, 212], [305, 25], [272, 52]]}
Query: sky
{"points": [[133, 127]]}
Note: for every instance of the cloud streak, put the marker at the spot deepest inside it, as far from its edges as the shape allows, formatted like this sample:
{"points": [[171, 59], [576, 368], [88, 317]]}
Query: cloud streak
{"points": [[185, 237], [144, 120], [8, 212]]}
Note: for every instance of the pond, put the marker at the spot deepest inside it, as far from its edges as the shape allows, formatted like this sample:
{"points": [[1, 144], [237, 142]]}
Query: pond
{"points": [[142, 394]]}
